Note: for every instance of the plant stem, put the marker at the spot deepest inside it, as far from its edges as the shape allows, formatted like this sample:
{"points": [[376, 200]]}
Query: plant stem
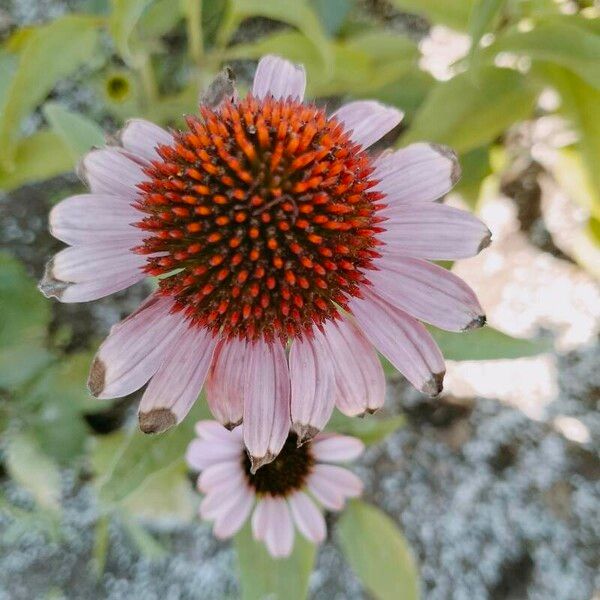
{"points": [[194, 30]]}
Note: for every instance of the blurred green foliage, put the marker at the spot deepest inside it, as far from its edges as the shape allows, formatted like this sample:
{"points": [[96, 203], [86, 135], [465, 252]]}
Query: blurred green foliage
{"points": [[150, 58]]}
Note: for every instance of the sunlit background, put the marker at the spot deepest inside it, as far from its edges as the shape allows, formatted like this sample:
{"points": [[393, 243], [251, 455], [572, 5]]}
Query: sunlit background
{"points": [[494, 487]]}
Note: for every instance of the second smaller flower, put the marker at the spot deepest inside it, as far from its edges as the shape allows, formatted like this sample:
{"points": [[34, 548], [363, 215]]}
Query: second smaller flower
{"points": [[280, 492]]}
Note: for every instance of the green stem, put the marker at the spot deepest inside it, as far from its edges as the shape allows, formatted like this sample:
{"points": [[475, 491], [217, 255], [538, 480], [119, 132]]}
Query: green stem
{"points": [[149, 85], [194, 30]]}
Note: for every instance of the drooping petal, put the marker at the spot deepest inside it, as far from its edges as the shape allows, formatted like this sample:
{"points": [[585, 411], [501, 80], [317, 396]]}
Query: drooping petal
{"points": [[89, 219], [359, 377], [427, 292], [280, 78], [345, 483], [111, 171], [134, 349], [279, 529], [312, 385], [402, 340], [308, 518], [225, 383], [433, 231], [331, 447], [202, 454], [418, 173], [266, 401], [230, 521], [176, 384], [368, 120], [142, 137], [82, 273]]}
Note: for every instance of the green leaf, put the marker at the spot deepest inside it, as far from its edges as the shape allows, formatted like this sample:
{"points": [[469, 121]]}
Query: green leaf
{"points": [[296, 13], [146, 544], [79, 133], [142, 455], [370, 429], [46, 54], [559, 42], [124, 16], [580, 103], [483, 14], [475, 166], [473, 108], [36, 158], [487, 344], [378, 552], [262, 576], [332, 13], [454, 13], [34, 470], [100, 550], [25, 316]]}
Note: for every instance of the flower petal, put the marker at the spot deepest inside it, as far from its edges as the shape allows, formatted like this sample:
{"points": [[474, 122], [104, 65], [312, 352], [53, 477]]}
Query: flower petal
{"points": [[211, 430], [308, 518], [230, 521], [220, 501], [216, 474], [260, 519], [418, 173], [279, 531], [111, 171], [142, 137], [343, 481], [225, 383], [202, 454], [427, 292], [176, 384], [331, 447], [359, 377], [433, 231], [280, 78], [266, 401], [134, 349], [94, 218], [402, 340], [312, 385], [82, 273], [368, 120]]}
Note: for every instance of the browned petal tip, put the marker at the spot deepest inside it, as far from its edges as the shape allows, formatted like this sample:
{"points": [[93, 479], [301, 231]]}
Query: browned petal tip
{"points": [[305, 433], [156, 420], [256, 462], [49, 285], [232, 426], [446, 152], [476, 323], [435, 385], [485, 242], [97, 377]]}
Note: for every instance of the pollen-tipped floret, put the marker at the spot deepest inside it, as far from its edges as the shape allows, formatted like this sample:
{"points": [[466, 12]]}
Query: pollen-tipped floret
{"points": [[266, 209]]}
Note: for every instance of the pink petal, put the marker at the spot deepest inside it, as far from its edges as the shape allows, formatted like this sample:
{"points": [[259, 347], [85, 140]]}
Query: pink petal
{"points": [[225, 383], [417, 173], [202, 454], [433, 231], [110, 171], [102, 269], [402, 340], [266, 400], [313, 385], [211, 430], [135, 349], [94, 218], [260, 519], [368, 120], [346, 483], [218, 502], [279, 529], [308, 518], [331, 447], [142, 137], [325, 492], [176, 384], [230, 521], [427, 292], [359, 377], [280, 78], [217, 474]]}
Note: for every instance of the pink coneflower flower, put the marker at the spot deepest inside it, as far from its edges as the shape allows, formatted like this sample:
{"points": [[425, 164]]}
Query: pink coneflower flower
{"points": [[278, 492], [269, 225]]}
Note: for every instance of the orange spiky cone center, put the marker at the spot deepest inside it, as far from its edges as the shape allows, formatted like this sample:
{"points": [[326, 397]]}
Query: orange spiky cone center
{"points": [[264, 209]]}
